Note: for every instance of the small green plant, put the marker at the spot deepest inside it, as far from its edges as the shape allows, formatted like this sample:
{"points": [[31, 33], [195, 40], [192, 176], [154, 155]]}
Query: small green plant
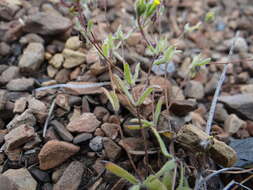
{"points": [[162, 53], [161, 180]]}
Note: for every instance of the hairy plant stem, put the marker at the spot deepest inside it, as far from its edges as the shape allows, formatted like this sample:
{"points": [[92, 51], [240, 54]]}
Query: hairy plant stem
{"points": [[146, 160], [142, 31], [128, 154]]}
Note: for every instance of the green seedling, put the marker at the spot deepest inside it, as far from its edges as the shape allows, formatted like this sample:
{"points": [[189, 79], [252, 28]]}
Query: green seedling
{"points": [[161, 180]]}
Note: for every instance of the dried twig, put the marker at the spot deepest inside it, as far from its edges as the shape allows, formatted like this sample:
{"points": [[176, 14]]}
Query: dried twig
{"points": [[204, 180], [218, 88], [48, 118], [92, 85]]}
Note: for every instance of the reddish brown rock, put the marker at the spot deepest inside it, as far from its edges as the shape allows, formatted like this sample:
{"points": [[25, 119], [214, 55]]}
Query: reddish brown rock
{"points": [[71, 177], [62, 100], [54, 152], [110, 130], [39, 109], [20, 105], [22, 178], [6, 183], [112, 150], [86, 123], [19, 136]]}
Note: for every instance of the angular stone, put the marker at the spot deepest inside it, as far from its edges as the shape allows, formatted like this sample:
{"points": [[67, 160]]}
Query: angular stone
{"points": [[132, 143], [62, 76], [233, 124], [101, 113], [51, 71], [46, 23], [14, 155], [7, 184], [21, 84], [82, 138], [10, 73], [62, 131], [86, 123], [3, 99], [25, 118], [192, 138], [54, 152], [241, 104], [32, 57], [194, 89], [183, 107], [73, 58], [71, 177], [57, 60], [19, 136], [111, 130], [96, 144], [220, 113], [33, 143], [134, 39], [39, 175], [29, 38], [62, 100], [20, 105], [161, 82], [73, 43], [39, 109], [98, 68], [112, 150], [22, 178]]}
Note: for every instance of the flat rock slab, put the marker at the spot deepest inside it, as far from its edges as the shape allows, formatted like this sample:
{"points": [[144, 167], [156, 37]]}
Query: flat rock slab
{"points": [[32, 57], [239, 103], [22, 178], [86, 123], [20, 84], [6, 183], [46, 23], [71, 177], [191, 137], [19, 136], [55, 152]]}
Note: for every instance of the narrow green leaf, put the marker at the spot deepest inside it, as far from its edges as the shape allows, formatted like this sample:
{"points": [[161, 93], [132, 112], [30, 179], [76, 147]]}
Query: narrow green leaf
{"points": [[161, 143], [89, 25], [115, 169], [210, 16], [153, 183], [167, 180], [136, 73], [135, 187], [167, 167], [188, 28], [120, 84], [127, 74], [145, 94], [106, 50], [204, 62], [183, 184], [113, 99], [158, 111], [140, 7], [160, 61], [110, 41], [144, 122], [116, 105]]}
